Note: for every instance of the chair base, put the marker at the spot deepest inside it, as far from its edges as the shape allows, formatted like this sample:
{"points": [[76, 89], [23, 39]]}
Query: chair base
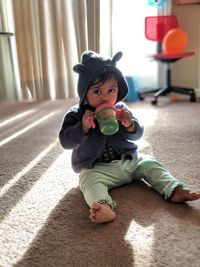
{"points": [[168, 90]]}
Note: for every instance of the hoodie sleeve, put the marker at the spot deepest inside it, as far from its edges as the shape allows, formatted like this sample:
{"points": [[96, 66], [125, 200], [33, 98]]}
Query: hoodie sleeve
{"points": [[71, 133]]}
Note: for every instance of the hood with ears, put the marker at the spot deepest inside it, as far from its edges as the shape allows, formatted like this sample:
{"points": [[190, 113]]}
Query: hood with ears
{"points": [[92, 66]]}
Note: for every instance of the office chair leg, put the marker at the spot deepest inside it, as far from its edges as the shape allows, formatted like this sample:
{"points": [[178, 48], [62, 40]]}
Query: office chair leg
{"points": [[185, 91], [161, 92], [154, 102], [193, 97]]}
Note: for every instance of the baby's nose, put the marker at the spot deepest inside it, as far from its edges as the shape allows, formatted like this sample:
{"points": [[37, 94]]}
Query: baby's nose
{"points": [[105, 97]]}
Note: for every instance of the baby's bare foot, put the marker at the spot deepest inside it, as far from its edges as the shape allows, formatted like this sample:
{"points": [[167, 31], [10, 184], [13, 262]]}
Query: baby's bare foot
{"points": [[100, 213], [180, 195]]}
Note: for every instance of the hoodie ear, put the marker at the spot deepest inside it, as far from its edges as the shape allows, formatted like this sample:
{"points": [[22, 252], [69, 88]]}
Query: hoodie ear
{"points": [[78, 68], [117, 57]]}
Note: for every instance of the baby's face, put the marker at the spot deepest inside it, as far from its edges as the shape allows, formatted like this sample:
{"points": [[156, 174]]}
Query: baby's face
{"points": [[98, 94]]}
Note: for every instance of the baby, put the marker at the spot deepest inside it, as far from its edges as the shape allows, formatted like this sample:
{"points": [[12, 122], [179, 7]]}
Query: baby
{"points": [[109, 161]]}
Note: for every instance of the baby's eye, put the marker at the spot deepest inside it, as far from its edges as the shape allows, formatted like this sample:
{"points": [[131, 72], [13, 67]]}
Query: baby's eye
{"points": [[112, 90], [97, 92]]}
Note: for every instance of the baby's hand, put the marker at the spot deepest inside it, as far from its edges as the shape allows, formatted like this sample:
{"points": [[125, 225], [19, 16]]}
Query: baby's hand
{"points": [[126, 120], [88, 121]]}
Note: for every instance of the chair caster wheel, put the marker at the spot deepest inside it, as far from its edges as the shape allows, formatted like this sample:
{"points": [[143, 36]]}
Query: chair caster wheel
{"points": [[154, 102], [193, 98]]}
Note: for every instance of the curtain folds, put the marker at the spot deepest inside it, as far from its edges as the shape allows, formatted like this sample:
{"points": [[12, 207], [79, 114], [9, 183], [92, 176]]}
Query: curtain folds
{"points": [[50, 37], [79, 9]]}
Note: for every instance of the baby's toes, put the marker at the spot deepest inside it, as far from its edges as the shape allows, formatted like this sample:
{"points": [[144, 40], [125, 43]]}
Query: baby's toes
{"points": [[195, 196], [92, 214], [92, 217]]}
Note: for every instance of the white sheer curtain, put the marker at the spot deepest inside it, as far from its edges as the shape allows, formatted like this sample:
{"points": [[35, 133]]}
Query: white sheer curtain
{"points": [[8, 87], [128, 36], [50, 36], [45, 48]]}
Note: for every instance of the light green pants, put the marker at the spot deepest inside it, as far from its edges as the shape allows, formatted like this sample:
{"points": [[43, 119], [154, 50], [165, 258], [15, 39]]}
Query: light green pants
{"points": [[96, 182]]}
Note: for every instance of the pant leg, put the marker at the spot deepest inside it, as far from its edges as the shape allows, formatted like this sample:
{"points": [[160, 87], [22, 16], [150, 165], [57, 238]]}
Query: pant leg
{"points": [[96, 182], [155, 174]]}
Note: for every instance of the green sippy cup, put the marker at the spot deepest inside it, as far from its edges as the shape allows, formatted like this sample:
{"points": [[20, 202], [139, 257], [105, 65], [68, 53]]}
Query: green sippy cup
{"points": [[107, 119]]}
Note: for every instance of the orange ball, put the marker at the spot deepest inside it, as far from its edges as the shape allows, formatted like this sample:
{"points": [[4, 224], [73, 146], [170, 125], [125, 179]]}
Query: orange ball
{"points": [[174, 41]]}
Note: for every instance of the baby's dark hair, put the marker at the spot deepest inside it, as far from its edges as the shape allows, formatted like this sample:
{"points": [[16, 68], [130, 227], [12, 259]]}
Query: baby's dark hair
{"points": [[103, 78]]}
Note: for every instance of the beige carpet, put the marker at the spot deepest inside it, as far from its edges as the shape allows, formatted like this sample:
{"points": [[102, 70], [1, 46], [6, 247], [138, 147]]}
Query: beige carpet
{"points": [[44, 219]]}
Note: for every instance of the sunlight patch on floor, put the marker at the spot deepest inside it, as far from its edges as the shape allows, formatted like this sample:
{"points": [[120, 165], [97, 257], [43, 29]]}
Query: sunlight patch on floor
{"points": [[22, 224], [27, 128], [146, 116], [32, 164], [142, 144], [16, 117], [141, 239]]}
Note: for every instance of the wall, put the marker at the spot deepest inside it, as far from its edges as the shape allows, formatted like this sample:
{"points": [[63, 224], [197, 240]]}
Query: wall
{"points": [[186, 72]]}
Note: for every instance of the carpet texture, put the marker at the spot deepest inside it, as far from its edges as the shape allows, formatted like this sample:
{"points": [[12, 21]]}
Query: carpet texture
{"points": [[44, 219]]}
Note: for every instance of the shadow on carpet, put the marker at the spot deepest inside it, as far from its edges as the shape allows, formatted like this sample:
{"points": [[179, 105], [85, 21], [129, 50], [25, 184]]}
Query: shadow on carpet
{"points": [[68, 238]]}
